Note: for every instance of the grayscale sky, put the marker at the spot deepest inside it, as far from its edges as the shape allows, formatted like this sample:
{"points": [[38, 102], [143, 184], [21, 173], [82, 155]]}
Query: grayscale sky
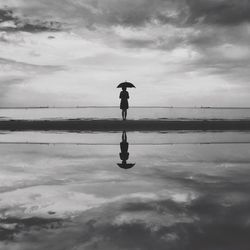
{"points": [[75, 52]]}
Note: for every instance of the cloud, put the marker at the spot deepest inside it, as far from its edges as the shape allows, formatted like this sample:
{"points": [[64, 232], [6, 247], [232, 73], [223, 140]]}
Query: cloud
{"points": [[105, 12], [6, 15], [218, 12], [15, 74], [17, 65], [11, 226], [151, 225], [11, 23], [6, 85], [137, 13]]}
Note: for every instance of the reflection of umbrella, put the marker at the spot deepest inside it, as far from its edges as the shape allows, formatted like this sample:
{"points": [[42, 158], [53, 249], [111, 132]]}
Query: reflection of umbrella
{"points": [[125, 165], [126, 85]]}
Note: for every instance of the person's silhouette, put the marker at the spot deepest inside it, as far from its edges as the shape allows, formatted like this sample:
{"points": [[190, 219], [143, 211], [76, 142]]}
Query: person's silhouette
{"points": [[124, 96], [124, 155]]}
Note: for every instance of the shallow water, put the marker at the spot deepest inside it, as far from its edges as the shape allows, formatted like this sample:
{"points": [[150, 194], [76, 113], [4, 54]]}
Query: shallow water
{"points": [[135, 138], [180, 194], [133, 113]]}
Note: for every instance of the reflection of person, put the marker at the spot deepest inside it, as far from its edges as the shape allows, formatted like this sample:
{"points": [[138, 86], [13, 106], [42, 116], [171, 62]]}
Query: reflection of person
{"points": [[124, 155], [124, 96]]}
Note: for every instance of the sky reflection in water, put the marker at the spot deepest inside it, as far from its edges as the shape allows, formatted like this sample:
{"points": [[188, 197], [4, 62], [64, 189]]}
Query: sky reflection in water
{"points": [[179, 196]]}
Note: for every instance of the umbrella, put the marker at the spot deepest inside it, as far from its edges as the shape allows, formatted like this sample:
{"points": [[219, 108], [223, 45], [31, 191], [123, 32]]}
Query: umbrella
{"points": [[125, 165], [126, 84]]}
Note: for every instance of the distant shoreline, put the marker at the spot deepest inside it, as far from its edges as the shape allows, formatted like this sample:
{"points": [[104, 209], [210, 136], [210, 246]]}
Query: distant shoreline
{"points": [[129, 125], [153, 107]]}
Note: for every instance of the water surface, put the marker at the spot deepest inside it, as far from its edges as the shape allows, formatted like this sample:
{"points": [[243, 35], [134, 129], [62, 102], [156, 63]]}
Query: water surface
{"points": [[183, 195], [133, 113]]}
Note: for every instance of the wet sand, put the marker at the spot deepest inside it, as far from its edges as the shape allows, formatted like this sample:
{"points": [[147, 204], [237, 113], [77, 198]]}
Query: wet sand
{"points": [[129, 125]]}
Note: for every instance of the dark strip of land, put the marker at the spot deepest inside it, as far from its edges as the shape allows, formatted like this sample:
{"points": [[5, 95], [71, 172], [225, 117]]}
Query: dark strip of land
{"points": [[129, 125]]}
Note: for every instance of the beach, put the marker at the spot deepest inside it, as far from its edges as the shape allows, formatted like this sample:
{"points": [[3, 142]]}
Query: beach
{"points": [[118, 125]]}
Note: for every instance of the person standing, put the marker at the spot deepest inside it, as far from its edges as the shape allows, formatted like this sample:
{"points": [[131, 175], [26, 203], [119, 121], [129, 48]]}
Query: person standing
{"points": [[124, 96]]}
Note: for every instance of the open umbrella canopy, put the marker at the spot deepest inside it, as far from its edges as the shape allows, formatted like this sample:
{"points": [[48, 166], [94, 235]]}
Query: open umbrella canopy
{"points": [[126, 85], [125, 165]]}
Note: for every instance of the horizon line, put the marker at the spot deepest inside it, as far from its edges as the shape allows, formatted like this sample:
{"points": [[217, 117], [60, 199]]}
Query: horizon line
{"points": [[110, 106]]}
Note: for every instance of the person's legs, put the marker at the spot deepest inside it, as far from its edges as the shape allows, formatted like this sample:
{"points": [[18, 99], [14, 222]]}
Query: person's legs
{"points": [[125, 114]]}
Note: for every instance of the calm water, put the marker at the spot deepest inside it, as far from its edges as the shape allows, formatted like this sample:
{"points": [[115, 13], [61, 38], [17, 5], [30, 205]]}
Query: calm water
{"points": [[133, 113], [185, 191]]}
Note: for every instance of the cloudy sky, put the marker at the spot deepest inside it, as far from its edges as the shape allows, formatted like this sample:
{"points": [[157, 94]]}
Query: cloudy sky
{"points": [[75, 52]]}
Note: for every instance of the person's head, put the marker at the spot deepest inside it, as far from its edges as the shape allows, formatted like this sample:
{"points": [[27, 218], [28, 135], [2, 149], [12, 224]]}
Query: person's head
{"points": [[124, 88]]}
